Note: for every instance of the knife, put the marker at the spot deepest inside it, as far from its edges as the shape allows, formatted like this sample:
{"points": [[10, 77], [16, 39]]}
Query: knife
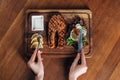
{"points": [[80, 45], [38, 38]]}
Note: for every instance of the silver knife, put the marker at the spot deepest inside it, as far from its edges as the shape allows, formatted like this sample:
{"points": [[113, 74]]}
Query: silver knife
{"points": [[80, 45], [38, 40]]}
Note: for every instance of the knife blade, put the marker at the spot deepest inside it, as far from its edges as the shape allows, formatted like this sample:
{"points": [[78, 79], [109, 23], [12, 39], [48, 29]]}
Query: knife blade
{"points": [[38, 40], [80, 45]]}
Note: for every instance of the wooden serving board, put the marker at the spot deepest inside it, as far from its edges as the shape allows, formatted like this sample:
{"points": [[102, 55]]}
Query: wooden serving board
{"points": [[67, 51]]}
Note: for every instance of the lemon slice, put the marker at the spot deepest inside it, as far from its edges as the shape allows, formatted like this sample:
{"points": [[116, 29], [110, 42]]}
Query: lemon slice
{"points": [[34, 40], [41, 40], [84, 31], [34, 35], [78, 26], [73, 36], [34, 45]]}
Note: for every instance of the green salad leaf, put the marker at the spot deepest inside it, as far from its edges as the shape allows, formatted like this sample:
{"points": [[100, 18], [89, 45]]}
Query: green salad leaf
{"points": [[84, 40], [70, 41]]}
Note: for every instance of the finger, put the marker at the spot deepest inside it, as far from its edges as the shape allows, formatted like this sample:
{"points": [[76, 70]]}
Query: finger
{"points": [[42, 59], [75, 62], [83, 57], [33, 55], [39, 56]]}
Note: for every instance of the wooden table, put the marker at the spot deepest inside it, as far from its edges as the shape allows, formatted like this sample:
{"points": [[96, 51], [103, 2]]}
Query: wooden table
{"points": [[105, 63]]}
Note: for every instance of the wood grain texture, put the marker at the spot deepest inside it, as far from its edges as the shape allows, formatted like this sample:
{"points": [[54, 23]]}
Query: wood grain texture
{"points": [[116, 73], [105, 63]]}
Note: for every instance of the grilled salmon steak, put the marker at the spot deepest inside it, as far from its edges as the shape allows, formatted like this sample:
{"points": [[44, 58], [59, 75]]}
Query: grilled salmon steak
{"points": [[56, 25]]}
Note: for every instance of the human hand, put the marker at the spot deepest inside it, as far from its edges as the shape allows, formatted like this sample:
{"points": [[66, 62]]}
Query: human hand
{"points": [[37, 67], [76, 69]]}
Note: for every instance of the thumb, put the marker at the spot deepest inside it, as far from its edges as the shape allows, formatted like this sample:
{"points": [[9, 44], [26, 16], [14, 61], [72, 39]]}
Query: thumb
{"points": [[83, 57], [39, 55]]}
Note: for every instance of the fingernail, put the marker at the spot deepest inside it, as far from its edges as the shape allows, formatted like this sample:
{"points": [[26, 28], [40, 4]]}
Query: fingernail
{"points": [[39, 52]]}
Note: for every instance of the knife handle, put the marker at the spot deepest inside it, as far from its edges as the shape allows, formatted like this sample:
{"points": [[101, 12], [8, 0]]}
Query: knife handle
{"points": [[79, 61]]}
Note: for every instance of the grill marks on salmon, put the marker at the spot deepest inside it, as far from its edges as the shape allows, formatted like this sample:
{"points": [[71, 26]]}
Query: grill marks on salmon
{"points": [[56, 25]]}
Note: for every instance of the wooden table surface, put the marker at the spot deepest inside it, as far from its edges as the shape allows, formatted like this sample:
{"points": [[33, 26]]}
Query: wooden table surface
{"points": [[105, 63]]}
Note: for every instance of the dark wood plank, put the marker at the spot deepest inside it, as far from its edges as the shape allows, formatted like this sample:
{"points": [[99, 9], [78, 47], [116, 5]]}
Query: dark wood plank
{"points": [[8, 12]]}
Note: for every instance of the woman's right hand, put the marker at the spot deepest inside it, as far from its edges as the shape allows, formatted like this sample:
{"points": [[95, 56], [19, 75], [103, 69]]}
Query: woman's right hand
{"points": [[76, 69]]}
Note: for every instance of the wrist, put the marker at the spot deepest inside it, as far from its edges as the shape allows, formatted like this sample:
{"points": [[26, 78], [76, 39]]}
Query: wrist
{"points": [[39, 77], [71, 77]]}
